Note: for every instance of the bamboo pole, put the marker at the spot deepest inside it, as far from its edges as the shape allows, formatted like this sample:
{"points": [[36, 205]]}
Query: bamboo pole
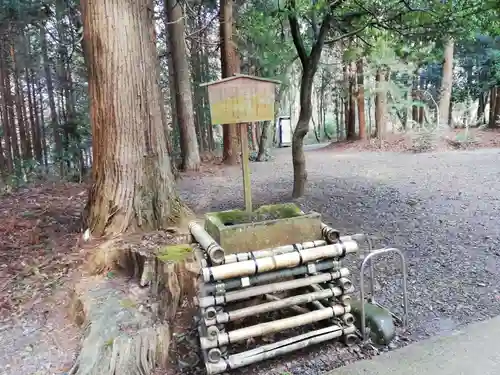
{"points": [[240, 257], [225, 317], [347, 318], [264, 348], [275, 287], [278, 348], [262, 329], [350, 339], [231, 284], [297, 309], [344, 283], [318, 305], [214, 251], [214, 355], [330, 235], [288, 260]]}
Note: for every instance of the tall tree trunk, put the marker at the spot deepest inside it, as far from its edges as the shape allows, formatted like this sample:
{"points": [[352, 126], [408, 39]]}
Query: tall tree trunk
{"points": [[230, 65], [309, 62], [42, 126], [33, 113], [4, 107], [380, 103], [345, 84], [351, 124], [341, 124], [134, 187], [183, 96], [196, 73], [496, 112], [301, 129], [446, 83], [52, 102], [9, 102], [263, 141], [415, 97], [337, 118], [3, 166], [483, 101], [421, 95], [493, 101], [24, 136], [361, 99]]}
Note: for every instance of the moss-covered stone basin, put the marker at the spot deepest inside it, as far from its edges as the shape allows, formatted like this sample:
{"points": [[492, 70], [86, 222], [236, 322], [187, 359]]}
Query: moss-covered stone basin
{"points": [[268, 226]]}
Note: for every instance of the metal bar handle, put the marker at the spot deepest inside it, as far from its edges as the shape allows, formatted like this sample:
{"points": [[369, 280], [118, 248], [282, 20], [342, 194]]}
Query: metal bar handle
{"points": [[362, 287]]}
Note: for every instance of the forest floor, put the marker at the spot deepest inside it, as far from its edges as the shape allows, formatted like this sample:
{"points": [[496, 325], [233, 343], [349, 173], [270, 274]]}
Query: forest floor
{"points": [[441, 208]]}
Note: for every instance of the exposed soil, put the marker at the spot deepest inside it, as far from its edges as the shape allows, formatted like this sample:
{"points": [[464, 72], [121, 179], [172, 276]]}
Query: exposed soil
{"points": [[451, 139], [38, 233], [442, 209]]}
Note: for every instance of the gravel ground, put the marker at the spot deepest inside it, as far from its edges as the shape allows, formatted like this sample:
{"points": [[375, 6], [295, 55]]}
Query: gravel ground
{"points": [[442, 209]]}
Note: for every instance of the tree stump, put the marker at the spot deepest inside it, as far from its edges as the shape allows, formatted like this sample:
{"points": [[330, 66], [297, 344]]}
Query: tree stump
{"points": [[127, 300]]}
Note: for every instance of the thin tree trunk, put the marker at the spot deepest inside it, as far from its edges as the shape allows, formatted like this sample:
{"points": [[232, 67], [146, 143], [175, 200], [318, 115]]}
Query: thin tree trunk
{"points": [[263, 141], [196, 73], [305, 114], [205, 73], [351, 124], [483, 101], [361, 99], [493, 101], [134, 186], [12, 122], [370, 120], [42, 126], [182, 83], [415, 97], [345, 83], [52, 102], [9, 157], [496, 113], [253, 129], [24, 136], [421, 93], [446, 84], [380, 104], [33, 113], [337, 118], [230, 65], [341, 124]]}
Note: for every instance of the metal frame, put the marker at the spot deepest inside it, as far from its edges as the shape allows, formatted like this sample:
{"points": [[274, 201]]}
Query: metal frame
{"points": [[368, 259]]}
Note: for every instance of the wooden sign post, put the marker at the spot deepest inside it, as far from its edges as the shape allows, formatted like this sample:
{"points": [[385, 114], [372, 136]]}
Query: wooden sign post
{"points": [[240, 100]]}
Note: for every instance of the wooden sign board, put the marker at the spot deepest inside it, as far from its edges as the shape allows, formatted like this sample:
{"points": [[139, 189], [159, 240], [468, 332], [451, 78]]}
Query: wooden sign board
{"points": [[241, 99]]}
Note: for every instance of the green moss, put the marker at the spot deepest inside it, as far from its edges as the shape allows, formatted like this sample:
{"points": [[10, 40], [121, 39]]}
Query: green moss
{"points": [[127, 303], [109, 343], [263, 213], [174, 253], [284, 211]]}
